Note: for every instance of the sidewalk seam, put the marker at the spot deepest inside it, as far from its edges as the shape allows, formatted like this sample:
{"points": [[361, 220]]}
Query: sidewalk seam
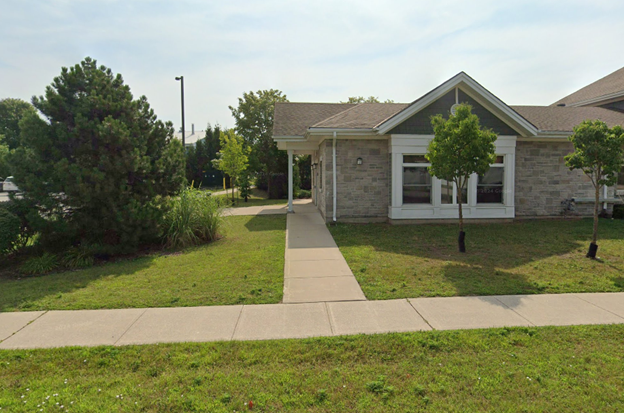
{"points": [[331, 326], [237, 321], [418, 312], [130, 326], [515, 312], [596, 305], [27, 324]]}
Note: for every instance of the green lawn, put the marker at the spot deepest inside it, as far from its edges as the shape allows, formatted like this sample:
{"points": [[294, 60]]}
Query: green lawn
{"points": [[554, 369], [530, 257], [247, 266]]}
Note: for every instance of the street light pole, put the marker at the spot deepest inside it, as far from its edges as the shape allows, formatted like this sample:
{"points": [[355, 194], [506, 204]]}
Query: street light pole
{"points": [[181, 79]]}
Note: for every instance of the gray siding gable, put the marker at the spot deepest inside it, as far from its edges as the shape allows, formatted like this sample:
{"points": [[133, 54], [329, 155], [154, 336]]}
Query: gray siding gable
{"points": [[420, 123]]}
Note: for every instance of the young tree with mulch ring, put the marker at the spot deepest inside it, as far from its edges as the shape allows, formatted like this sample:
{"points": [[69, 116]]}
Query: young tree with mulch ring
{"points": [[459, 149], [598, 152]]}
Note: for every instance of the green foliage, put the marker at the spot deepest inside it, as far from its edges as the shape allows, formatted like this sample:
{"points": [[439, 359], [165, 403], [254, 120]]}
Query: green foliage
{"points": [[4, 159], [362, 99], [244, 186], [598, 151], [460, 148], [618, 211], [100, 163], [193, 217], [40, 265], [379, 386], [11, 113], [254, 122], [233, 158], [199, 158], [9, 231], [79, 257], [304, 193]]}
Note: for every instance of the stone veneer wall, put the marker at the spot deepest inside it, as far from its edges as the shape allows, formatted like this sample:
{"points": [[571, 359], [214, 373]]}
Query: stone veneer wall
{"points": [[543, 180], [362, 190]]}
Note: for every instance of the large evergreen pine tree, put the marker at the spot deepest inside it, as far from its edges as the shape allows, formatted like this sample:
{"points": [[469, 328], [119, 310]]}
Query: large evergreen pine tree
{"points": [[98, 162]]}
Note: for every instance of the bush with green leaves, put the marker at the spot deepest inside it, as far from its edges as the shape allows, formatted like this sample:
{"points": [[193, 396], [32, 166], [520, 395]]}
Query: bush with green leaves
{"points": [[79, 257], [244, 186], [40, 265], [192, 217], [9, 231]]}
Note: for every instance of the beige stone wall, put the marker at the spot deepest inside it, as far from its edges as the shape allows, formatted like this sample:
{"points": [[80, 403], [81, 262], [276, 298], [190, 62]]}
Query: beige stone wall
{"points": [[362, 190], [543, 180]]}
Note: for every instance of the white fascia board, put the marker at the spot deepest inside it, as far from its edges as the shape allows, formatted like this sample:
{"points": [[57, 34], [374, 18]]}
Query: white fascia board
{"points": [[459, 80], [297, 146], [330, 131], [293, 138], [604, 99]]}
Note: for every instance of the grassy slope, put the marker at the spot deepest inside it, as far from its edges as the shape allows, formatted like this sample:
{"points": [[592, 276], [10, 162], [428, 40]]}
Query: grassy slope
{"points": [[246, 266], [555, 369], [519, 258]]}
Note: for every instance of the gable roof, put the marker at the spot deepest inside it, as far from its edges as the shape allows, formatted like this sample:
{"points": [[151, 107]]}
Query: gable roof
{"points": [[471, 87], [564, 119], [294, 118], [609, 87]]}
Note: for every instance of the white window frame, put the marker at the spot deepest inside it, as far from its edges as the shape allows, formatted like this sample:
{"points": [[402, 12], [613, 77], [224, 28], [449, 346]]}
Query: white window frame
{"points": [[417, 145], [416, 165]]}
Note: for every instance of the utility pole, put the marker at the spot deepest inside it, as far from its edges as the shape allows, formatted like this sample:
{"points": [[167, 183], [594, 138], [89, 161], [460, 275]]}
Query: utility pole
{"points": [[181, 79]]}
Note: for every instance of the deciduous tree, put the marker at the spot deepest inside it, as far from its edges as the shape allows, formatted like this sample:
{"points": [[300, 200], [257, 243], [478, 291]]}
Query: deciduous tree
{"points": [[459, 149], [598, 152], [11, 112], [254, 122], [233, 158]]}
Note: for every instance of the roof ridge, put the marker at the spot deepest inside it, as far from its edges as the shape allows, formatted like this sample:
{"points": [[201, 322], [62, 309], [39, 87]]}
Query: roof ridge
{"points": [[339, 113]]}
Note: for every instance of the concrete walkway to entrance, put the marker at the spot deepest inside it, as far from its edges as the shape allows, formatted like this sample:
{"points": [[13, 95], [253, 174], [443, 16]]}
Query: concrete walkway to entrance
{"points": [[279, 321], [314, 268]]}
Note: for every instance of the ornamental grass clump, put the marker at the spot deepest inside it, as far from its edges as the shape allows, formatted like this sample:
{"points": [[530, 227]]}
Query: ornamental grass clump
{"points": [[193, 217]]}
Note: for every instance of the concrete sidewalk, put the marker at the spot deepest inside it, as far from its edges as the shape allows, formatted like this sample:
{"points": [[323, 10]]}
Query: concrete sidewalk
{"points": [[314, 268], [280, 321]]}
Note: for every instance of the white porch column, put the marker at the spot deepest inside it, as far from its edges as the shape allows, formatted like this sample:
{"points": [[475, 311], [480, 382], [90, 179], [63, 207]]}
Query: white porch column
{"points": [[290, 180]]}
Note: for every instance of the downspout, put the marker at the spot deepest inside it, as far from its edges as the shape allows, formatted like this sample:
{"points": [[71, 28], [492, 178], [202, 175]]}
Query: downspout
{"points": [[605, 195], [334, 173]]}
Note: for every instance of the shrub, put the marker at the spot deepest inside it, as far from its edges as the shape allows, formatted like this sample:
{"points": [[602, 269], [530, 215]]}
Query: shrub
{"points": [[262, 182], [618, 211], [79, 257], [193, 217], [304, 193], [9, 231], [40, 265], [244, 186], [279, 186]]}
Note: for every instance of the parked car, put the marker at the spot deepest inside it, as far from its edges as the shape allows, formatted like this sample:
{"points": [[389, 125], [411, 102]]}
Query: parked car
{"points": [[9, 185]]}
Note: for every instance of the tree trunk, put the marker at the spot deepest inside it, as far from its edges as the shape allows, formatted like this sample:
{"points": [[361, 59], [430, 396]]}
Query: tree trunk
{"points": [[268, 176], [462, 235], [593, 247]]}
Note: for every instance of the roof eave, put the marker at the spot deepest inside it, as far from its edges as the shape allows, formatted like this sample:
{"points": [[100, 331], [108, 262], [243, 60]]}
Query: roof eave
{"points": [[604, 99]]}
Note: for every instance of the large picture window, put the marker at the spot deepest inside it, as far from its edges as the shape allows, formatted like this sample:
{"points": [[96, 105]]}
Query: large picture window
{"points": [[620, 182], [416, 180], [491, 186]]}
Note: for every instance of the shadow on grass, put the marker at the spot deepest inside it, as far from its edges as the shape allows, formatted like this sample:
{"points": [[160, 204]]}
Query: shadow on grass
{"points": [[265, 222], [23, 293], [494, 251]]}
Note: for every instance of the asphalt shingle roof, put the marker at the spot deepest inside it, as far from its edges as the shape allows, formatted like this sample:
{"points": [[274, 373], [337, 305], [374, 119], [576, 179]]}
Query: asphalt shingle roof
{"points": [[294, 119], [609, 84], [362, 116], [564, 119]]}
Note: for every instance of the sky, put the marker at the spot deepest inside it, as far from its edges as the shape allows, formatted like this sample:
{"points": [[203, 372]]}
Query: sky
{"points": [[525, 52]]}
